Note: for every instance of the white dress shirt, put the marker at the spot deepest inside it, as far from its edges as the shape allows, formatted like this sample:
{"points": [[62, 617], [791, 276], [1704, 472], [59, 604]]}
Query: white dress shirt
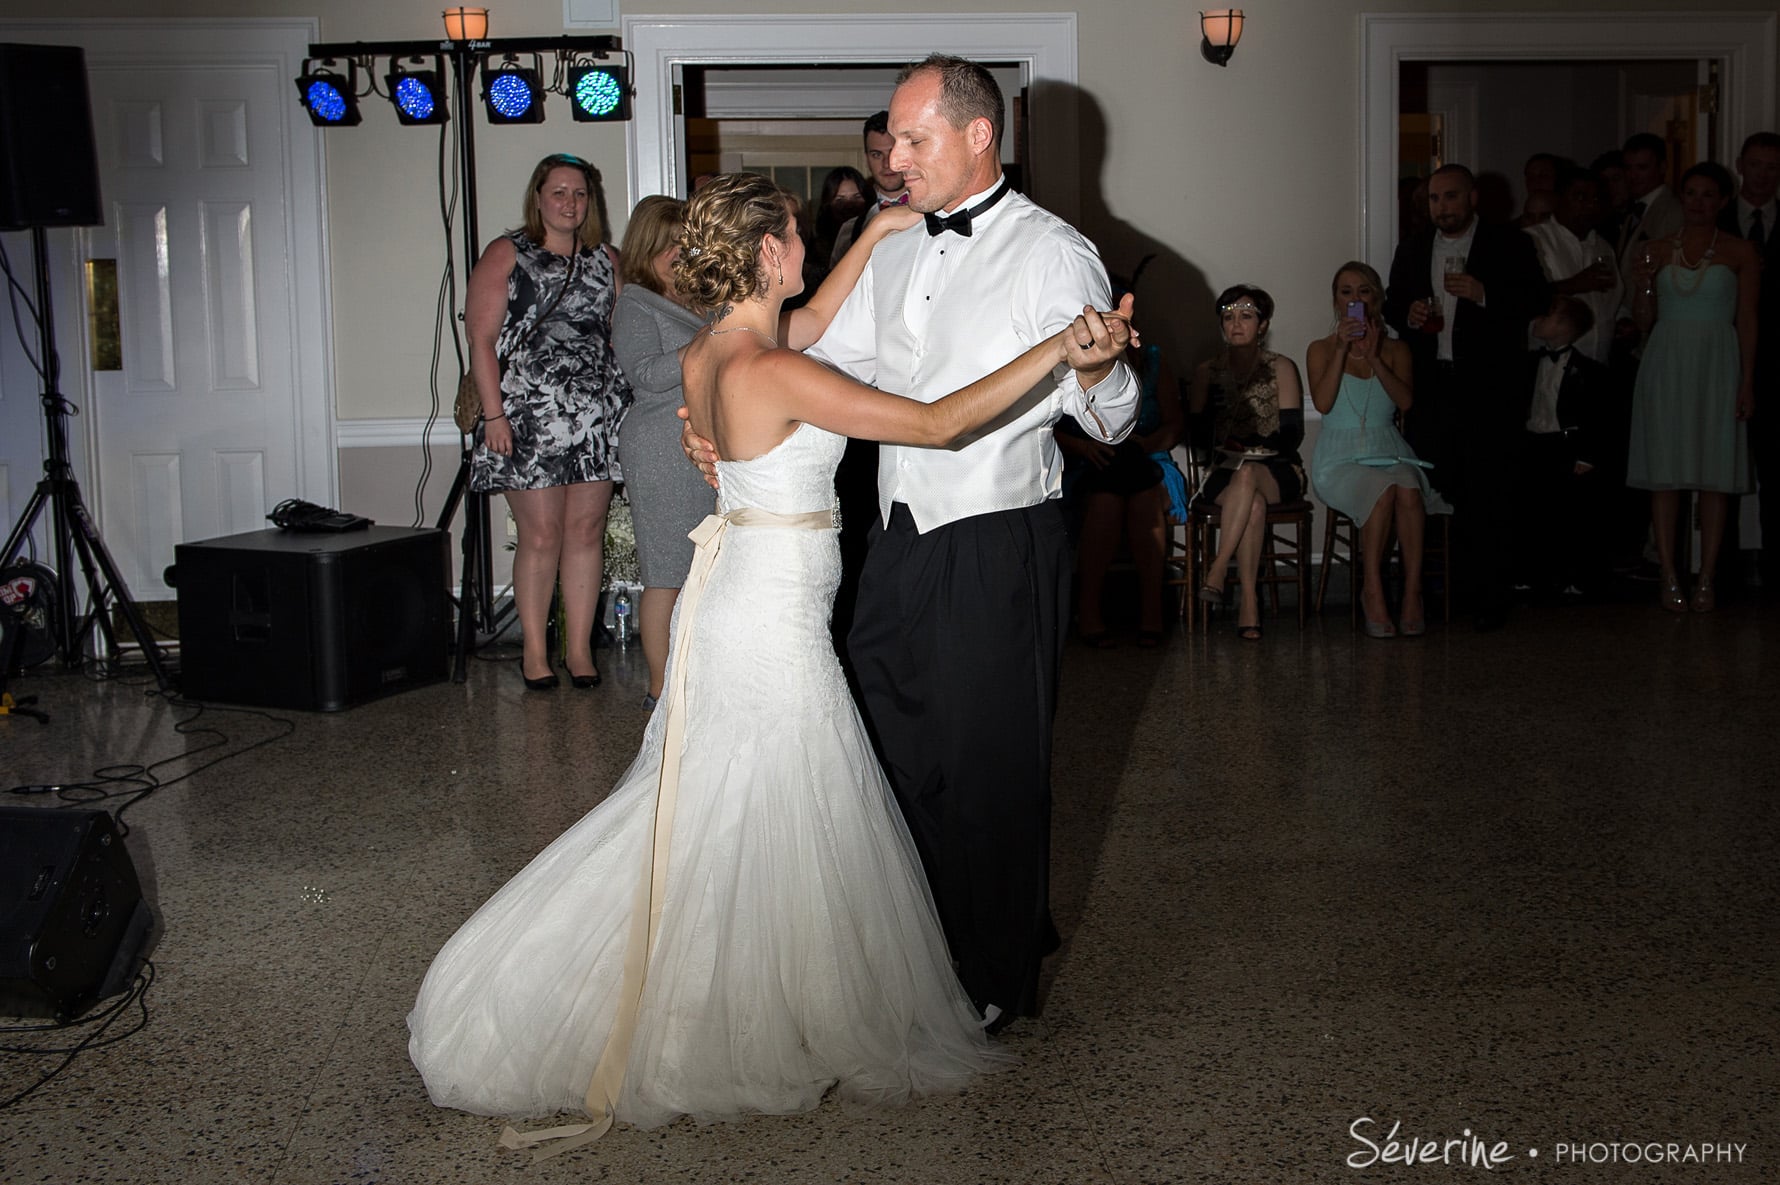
{"points": [[935, 313], [1547, 385], [1446, 248], [1562, 255]]}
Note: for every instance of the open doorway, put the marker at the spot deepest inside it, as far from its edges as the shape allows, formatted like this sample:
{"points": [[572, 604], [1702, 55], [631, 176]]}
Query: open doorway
{"points": [[1494, 115], [794, 122]]}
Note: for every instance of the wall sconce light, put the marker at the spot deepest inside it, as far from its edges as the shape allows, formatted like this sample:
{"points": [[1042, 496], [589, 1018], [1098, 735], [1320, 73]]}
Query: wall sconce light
{"points": [[1222, 29], [466, 24]]}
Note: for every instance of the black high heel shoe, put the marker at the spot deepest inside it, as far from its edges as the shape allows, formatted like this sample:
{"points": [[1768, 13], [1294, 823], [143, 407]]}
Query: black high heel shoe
{"points": [[542, 683], [582, 682]]}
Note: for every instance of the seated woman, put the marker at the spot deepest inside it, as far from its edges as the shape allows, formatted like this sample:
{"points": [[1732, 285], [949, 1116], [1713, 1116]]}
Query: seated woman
{"points": [[1360, 380], [1124, 490], [1257, 401]]}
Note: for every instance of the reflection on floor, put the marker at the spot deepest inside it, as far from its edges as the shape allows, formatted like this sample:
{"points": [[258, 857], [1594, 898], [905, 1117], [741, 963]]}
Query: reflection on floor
{"points": [[1518, 885]]}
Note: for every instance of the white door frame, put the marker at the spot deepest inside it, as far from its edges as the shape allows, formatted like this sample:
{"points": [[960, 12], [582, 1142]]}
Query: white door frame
{"points": [[1743, 42], [283, 42], [1043, 44]]}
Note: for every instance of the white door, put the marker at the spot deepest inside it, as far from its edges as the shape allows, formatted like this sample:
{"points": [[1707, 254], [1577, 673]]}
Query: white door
{"points": [[221, 408]]}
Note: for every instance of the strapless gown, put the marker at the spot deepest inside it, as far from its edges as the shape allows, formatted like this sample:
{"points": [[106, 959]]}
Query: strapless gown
{"points": [[1685, 431], [796, 951]]}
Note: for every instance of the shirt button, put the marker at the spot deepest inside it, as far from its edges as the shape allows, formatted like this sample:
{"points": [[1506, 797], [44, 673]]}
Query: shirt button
{"points": [[902, 464]]}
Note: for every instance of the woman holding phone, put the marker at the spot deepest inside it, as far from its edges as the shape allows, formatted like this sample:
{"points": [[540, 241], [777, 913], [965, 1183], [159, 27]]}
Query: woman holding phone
{"points": [[1360, 381]]}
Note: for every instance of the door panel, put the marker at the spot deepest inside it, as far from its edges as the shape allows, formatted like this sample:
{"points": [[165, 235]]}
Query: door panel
{"points": [[191, 166]]}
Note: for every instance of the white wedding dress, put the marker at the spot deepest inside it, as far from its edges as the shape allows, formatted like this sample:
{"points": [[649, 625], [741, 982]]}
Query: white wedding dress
{"points": [[796, 951]]}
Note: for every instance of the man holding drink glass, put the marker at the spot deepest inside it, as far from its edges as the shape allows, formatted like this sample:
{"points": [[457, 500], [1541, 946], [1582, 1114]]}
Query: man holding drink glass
{"points": [[1461, 294]]}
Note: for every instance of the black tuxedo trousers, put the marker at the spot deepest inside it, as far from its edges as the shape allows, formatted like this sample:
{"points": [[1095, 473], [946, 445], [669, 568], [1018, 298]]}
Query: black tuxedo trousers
{"points": [[956, 642]]}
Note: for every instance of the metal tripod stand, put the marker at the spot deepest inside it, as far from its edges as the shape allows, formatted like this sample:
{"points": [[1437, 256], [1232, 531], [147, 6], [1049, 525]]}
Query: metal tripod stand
{"points": [[75, 534]]}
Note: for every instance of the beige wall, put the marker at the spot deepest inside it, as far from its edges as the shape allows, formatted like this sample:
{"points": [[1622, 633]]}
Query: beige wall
{"points": [[1246, 173]]}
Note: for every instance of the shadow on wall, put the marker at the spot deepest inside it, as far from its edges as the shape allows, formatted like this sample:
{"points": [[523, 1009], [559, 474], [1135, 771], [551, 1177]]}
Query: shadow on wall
{"points": [[1174, 298]]}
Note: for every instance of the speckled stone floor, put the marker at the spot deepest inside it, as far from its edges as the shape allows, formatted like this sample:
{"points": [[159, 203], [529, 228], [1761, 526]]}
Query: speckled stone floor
{"points": [[1516, 889]]}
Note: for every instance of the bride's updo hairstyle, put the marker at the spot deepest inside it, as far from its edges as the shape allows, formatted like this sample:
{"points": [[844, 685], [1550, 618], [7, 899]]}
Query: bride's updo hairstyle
{"points": [[719, 260]]}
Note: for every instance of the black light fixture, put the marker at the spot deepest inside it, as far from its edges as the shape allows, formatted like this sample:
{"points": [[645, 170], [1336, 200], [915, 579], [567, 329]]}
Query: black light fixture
{"points": [[417, 90], [330, 98], [599, 94], [513, 92], [1221, 29]]}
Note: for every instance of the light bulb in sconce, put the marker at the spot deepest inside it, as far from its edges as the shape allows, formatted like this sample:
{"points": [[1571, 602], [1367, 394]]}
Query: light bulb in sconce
{"points": [[1221, 29], [466, 24]]}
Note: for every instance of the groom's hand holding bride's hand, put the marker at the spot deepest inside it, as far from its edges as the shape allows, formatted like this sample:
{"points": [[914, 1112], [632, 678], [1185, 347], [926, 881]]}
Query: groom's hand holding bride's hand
{"points": [[1097, 340], [698, 450]]}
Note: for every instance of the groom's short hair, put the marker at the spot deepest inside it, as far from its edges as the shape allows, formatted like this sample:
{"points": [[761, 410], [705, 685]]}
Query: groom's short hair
{"points": [[967, 91]]}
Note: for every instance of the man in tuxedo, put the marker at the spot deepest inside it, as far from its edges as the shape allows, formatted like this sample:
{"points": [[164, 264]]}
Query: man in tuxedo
{"points": [[1752, 216], [1461, 294], [958, 628], [1655, 211], [888, 188], [1569, 462]]}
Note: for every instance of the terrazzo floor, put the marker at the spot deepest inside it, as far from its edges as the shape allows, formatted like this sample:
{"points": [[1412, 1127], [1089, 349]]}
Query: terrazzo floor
{"points": [[1516, 889]]}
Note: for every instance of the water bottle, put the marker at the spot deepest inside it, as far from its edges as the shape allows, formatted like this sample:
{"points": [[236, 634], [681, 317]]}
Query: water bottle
{"points": [[621, 616]]}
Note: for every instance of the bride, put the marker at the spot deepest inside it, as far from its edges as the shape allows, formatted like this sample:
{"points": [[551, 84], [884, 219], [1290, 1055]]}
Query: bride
{"points": [[743, 924]]}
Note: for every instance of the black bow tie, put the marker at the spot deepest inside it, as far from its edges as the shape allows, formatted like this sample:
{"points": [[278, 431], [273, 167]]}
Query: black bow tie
{"points": [[1557, 355], [959, 223]]}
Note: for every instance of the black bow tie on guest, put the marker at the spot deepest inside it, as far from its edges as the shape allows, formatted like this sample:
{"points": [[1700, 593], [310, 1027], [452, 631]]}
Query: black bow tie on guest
{"points": [[1558, 355], [959, 223]]}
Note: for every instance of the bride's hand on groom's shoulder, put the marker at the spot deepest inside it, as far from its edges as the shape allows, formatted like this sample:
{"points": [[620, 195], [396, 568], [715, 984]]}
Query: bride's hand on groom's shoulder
{"points": [[698, 450]]}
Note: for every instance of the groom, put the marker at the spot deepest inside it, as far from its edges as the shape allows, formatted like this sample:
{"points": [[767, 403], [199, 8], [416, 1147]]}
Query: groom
{"points": [[963, 601]]}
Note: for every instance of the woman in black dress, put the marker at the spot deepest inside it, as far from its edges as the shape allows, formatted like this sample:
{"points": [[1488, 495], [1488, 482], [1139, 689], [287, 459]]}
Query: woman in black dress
{"points": [[1257, 400]]}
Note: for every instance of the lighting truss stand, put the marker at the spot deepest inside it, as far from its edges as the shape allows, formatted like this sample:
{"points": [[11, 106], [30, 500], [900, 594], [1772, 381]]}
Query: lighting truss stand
{"points": [[475, 603], [73, 528]]}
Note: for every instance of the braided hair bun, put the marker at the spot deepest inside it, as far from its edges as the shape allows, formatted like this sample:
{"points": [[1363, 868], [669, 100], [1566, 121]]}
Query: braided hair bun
{"points": [[726, 221]]}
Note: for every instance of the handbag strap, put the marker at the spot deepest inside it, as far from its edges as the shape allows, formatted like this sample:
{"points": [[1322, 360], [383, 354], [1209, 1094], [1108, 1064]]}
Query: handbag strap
{"points": [[574, 262]]}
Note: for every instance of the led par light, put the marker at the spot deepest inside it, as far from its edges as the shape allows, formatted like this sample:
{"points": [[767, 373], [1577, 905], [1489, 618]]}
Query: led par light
{"points": [[513, 93], [599, 94], [418, 95], [331, 99]]}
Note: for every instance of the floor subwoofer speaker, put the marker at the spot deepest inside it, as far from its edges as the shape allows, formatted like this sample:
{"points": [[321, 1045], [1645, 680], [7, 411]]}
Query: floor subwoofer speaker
{"points": [[321, 622], [49, 173], [72, 918]]}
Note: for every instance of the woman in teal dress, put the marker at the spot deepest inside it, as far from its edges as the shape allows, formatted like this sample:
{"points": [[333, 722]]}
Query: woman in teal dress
{"points": [[1695, 295], [1359, 381]]}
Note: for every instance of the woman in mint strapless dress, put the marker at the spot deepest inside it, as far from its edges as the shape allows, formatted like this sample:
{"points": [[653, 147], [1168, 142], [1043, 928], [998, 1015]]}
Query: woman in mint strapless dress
{"points": [[1359, 380], [1695, 294]]}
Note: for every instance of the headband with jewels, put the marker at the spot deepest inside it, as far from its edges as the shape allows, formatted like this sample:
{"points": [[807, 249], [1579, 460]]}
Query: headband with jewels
{"points": [[1238, 305]]}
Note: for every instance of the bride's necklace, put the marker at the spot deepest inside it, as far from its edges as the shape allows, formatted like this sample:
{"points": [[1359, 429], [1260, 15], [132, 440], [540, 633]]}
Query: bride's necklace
{"points": [[1697, 269], [749, 328]]}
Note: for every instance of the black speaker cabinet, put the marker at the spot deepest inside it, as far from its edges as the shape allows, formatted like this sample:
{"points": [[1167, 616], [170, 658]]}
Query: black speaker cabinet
{"points": [[49, 173], [72, 918], [321, 622]]}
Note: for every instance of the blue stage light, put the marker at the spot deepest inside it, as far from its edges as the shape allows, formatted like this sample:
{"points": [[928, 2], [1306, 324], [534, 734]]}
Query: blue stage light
{"points": [[418, 95], [513, 94], [330, 98]]}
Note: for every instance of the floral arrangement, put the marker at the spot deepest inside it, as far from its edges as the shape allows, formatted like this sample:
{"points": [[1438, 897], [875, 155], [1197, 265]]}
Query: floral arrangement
{"points": [[621, 542]]}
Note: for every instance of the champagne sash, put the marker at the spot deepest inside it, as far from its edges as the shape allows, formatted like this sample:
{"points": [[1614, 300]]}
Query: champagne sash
{"points": [[601, 1102]]}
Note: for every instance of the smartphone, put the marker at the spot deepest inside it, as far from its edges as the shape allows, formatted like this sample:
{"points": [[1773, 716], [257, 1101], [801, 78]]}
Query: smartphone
{"points": [[1356, 311]]}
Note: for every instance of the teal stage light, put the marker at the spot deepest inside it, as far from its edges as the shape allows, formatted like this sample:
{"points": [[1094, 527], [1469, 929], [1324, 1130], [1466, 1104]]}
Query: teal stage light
{"points": [[599, 94]]}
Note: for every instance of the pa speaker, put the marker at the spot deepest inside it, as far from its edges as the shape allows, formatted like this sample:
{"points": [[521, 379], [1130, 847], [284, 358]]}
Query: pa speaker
{"points": [[72, 918], [320, 622], [49, 172]]}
